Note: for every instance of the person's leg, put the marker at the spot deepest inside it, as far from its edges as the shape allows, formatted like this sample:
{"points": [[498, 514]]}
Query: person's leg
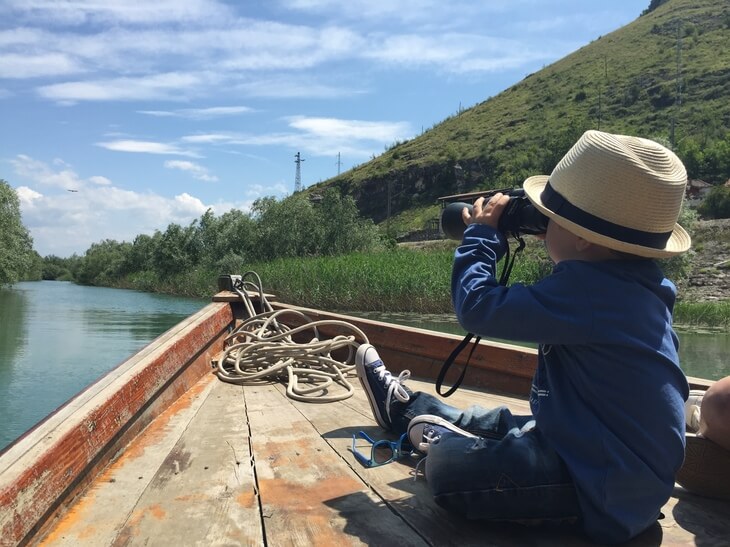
{"points": [[507, 473], [518, 477], [493, 423], [394, 405], [715, 413]]}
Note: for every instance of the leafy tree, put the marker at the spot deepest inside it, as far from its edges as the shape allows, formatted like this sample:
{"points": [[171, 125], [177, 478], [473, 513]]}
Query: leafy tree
{"points": [[103, 263], [706, 158], [140, 256], [343, 230], [16, 245], [54, 267], [285, 228], [176, 250], [234, 241], [35, 269]]}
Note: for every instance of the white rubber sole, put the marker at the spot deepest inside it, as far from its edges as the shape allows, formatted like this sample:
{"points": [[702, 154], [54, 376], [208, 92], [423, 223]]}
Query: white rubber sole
{"points": [[416, 425]]}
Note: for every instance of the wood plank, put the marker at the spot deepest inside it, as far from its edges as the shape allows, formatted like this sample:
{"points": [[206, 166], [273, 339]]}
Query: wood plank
{"points": [[410, 498], [100, 513], [203, 492], [309, 494]]}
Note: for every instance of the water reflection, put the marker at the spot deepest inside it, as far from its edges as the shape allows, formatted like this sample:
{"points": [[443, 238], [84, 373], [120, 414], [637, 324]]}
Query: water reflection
{"points": [[57, 338], [13, 340], [703, 354], [12, 313]]}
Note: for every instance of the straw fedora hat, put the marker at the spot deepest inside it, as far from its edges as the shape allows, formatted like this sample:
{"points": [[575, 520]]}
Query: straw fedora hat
{"points": [[617, 191]]}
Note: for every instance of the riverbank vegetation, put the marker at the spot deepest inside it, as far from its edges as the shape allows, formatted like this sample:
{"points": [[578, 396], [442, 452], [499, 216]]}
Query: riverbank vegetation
{"points": [[316, 254], [18, 260]]}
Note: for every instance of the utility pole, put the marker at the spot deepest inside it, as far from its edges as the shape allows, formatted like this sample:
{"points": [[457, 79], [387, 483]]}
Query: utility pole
{"points": [[298, 177], [339, 163]]}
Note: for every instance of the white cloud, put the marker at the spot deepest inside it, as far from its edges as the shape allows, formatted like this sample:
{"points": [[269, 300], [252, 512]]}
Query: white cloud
{"points": [[319, 136], [100, 181], [334, 128], [146, 147], [432, 16], [27, 196], [191, 204], [255, 191], [197, 171], [80, 12], [171, 86], [38, 171], [199, 113], [130, 62], [208, 138], [292, 86], [63, 223], [15, 66]]}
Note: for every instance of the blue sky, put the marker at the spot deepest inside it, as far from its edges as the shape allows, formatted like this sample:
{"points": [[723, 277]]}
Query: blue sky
{"points": [[154, 111]]}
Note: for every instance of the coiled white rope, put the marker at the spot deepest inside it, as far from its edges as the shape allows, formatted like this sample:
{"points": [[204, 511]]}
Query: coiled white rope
{"points": [[262, 349]]}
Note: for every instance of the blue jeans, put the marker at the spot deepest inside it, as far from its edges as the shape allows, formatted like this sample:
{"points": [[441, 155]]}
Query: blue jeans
{"points": [[509, 473]]}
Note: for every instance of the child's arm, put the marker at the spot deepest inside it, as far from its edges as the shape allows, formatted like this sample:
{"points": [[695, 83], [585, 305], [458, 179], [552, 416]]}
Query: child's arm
{"points": [[556, 310]]}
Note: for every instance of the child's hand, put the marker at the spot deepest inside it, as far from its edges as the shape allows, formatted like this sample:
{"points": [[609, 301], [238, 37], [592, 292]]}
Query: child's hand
{"points": [[486, 214]]}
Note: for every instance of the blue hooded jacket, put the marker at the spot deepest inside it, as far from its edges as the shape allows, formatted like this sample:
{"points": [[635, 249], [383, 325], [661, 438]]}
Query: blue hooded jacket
{"points": [[608, 393]]}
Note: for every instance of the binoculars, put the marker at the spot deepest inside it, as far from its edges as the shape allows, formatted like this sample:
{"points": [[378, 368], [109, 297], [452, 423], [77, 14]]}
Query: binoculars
{"points": [[518, 218]]}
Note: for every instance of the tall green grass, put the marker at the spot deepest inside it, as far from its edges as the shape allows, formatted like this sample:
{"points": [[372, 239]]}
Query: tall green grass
{"points": [[702, 314], [398, 280]]}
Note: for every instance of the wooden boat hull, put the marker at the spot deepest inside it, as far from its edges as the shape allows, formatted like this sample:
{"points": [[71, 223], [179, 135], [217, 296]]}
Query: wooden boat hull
{"points": [[45, 470]]}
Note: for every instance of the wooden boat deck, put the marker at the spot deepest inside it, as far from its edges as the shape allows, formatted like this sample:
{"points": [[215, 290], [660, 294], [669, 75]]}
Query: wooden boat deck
{"points": [[232, 465]]}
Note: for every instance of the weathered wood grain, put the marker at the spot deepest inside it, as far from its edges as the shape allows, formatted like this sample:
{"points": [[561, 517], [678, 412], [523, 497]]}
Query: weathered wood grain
{"points": [[309, 494], [220, 464], [203, 492], [101, 512]]}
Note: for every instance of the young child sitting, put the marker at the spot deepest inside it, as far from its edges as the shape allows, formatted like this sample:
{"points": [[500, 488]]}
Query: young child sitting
{"points": [[607, 430]]}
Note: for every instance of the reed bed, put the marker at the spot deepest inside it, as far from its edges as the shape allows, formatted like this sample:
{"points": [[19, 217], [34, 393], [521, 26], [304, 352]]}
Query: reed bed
{"points": [[703, 314], [398, 280]]}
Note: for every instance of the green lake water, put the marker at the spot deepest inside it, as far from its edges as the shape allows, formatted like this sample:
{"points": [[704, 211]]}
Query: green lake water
{"points": [[57, 338]]}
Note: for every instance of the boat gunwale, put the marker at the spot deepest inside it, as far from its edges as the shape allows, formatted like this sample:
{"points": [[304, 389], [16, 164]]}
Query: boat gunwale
{"points": [[55, 459]]}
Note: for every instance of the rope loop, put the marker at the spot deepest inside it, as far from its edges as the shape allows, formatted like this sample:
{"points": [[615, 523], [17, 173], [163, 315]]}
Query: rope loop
{"points": [[262, 350]]}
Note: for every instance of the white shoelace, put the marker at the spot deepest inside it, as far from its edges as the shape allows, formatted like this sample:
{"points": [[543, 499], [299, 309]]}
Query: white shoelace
{"points": [[421, 462], [428, 438], [394, 385]]}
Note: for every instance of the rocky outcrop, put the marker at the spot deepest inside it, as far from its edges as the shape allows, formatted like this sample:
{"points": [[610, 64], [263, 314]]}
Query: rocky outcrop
{"points": [[396, 191]]}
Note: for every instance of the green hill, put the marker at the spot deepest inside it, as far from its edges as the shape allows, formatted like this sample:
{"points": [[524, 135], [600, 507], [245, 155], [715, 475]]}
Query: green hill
{"points": [[664, 76]]}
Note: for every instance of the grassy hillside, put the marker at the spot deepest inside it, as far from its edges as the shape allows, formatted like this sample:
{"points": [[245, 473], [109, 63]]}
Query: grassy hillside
{"points": [[665, 76]]}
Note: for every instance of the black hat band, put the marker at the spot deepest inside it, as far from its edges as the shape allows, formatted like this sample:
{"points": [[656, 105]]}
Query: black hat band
{"points": [[562, 207]]}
